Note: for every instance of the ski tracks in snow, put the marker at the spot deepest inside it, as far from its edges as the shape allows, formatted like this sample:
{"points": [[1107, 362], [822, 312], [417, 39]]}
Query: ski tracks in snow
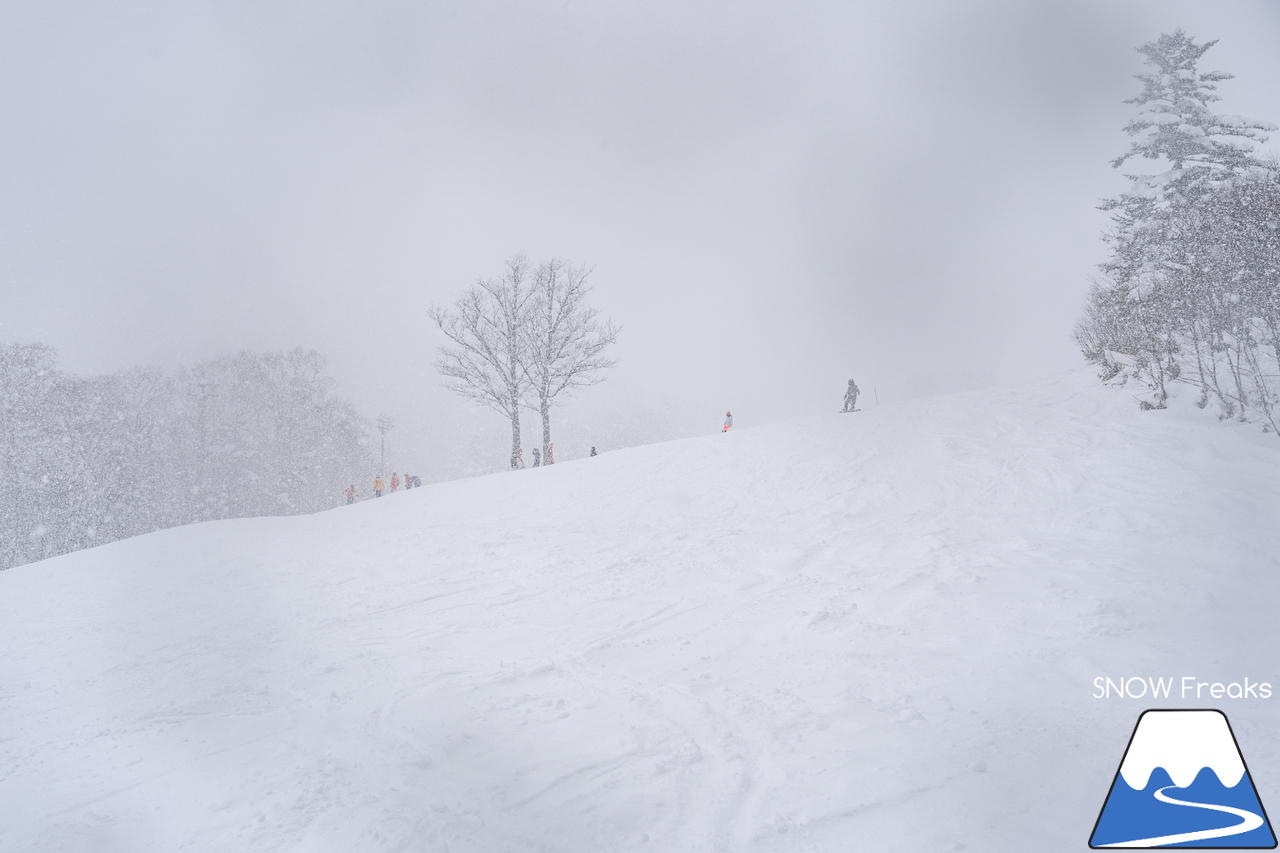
{"points": [[783, 638]]}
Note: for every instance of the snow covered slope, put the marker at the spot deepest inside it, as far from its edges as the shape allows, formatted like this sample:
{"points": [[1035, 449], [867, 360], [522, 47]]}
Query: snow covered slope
{"points": [[876, 631]]}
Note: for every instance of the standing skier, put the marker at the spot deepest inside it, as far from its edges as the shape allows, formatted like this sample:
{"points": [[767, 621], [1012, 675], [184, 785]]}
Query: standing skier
{"points": [[850, 398], [395, 482], [377, 486], [728, 421], [350, 492]]}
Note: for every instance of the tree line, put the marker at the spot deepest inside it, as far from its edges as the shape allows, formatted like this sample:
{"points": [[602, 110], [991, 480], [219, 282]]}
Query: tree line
{"points": [[89, 460], [1191, 290], [523, 340]]}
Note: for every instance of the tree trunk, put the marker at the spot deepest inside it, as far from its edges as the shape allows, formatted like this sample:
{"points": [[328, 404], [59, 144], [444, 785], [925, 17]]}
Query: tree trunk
{"points": [[544, 409], [515, 432]]}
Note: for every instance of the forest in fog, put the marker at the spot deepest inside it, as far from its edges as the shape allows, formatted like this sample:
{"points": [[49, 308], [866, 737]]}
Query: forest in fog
{"points": [[88, 460]]}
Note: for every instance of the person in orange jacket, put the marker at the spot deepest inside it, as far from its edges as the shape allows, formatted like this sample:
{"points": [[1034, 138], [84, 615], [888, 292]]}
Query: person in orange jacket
{"points": [[377, 486]]}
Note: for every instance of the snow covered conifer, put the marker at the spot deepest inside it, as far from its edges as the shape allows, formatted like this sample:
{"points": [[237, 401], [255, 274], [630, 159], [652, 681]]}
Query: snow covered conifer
{"points": [[1174, 121], [1186, 292]]}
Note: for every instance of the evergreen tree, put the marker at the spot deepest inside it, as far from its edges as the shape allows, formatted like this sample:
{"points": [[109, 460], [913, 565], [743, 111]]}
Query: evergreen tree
{"points": [[1186, 292]]}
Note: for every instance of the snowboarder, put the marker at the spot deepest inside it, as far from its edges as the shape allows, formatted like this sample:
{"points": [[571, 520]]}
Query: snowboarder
{"points": [[395, 482], [593, 451], [728, 421], [377, 486], [350, 492], [850, 398], [537, 458]]}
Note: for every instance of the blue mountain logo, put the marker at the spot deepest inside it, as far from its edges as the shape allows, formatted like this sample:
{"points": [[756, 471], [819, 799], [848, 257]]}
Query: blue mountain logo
{"points": [[1183, 783]]}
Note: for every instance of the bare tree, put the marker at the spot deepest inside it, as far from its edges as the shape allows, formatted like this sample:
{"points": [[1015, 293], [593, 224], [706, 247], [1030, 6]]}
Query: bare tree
{"points": [[565, 338], [488, 328]]}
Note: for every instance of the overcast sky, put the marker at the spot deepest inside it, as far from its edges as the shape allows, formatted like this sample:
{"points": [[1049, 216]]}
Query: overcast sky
{"points": [[775, 197]]}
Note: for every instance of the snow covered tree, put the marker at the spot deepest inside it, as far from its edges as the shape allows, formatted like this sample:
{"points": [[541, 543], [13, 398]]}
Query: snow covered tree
{"points": [[1185, 292], [84, 461], [1199, 149], [566, 340], [1174, 123], [488, 329]]}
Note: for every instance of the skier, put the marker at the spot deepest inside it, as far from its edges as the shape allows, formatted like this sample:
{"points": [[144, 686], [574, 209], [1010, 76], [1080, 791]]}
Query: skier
{"points": [[537, 458], [408, 481], [417, 484], [350, 492], [850, 398], [728, 421], [377, 486], [593, 451], [395, 482]]}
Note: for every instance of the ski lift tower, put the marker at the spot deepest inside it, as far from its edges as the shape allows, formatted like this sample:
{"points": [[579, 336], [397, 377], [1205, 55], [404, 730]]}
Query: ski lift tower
{"points": [[385, 425]]}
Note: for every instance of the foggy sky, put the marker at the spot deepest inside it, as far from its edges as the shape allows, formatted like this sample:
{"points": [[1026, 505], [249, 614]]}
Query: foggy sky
{"points": [[775, 197]]}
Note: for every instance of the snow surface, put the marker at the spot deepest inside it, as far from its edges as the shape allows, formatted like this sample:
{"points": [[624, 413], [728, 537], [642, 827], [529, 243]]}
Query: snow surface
{"points": [[1183, 743], [869, 631]]}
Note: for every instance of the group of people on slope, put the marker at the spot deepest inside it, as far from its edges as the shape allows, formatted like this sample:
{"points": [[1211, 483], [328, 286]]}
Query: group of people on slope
{"points": [[517, 458], [411, 481]]}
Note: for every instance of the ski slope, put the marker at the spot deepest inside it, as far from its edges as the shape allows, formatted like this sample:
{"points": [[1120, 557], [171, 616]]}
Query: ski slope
{"points": [[873, 631]]}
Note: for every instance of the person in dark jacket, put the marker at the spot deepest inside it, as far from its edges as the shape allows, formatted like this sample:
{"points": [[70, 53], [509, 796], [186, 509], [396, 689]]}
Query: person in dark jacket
{"points": [[850, 398]]}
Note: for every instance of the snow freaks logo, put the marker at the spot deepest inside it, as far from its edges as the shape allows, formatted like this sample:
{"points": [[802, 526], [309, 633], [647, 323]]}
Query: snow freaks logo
{"points": [[1183, 783]]}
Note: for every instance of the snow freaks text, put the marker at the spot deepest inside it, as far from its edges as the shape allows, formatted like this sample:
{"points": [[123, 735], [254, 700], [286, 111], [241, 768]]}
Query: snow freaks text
{"points": [[1187, 687]]}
